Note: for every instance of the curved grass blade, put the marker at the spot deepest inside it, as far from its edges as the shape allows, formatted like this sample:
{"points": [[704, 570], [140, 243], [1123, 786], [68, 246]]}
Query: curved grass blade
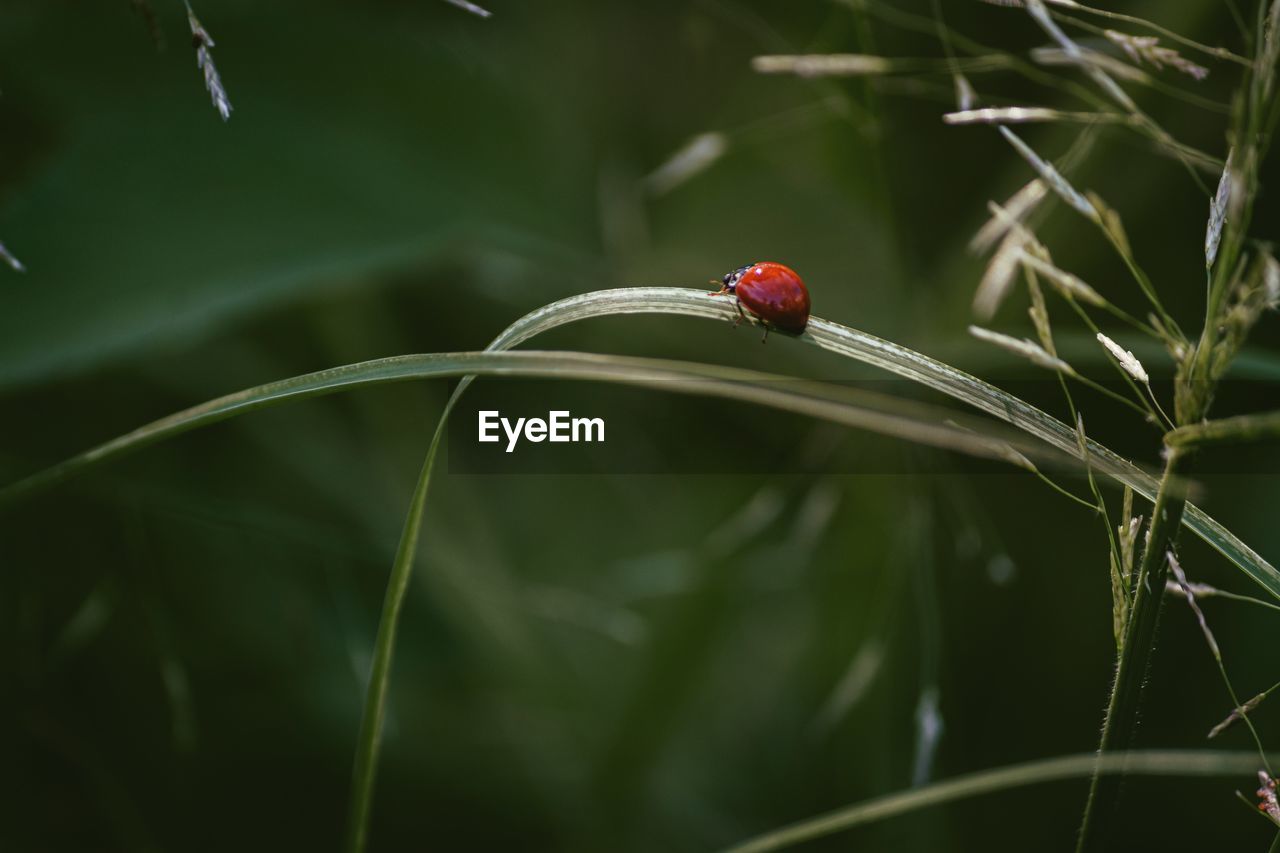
{"points": [[1145, 763], [815, 399], [840, 339], [665, 300], [862, 409], [917, 422], [908, 364]]}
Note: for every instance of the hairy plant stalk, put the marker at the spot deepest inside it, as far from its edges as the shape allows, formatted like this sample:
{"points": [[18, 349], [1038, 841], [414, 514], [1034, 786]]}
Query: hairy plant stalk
{"points": [[1136, 652]]}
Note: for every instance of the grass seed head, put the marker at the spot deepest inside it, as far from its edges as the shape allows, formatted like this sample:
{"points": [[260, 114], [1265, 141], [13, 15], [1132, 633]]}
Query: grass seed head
{"points": [[1003, 217], [1066, 283], [696, 156], [1236, 715], [1271, 282], [998, 276], [467, 6], [1004, 115], [1051, 176], [8, 258], [1267, 803], [1023, 347], [1021, 4], [203, 42], [1038, 311], [1115, 67], [966, 97], [1127, 360], [1218, 211], [1147, 50], [822, 65]]}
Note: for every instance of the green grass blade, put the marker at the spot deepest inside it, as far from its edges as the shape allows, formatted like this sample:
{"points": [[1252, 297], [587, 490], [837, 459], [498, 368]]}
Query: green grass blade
{"points": [[908, 364], [840, 339], [1241, 428], [1144, 763], [852, 408], [364, 769], [917, 422]]}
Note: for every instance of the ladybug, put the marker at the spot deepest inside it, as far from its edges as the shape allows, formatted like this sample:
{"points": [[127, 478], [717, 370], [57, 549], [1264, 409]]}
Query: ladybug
{"points": [[772, 292]]}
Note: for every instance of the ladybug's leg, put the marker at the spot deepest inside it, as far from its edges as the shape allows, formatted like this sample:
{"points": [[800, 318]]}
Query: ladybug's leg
{"points": [[765, 339], [737, 303]]}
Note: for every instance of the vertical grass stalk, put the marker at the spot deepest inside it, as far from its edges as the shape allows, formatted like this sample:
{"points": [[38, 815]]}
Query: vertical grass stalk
{"points": [[365, 768], [1135, 655]]}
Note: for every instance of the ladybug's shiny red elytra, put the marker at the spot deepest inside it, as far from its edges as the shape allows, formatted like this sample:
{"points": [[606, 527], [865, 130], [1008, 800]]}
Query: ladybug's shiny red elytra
{"points": [[774, 293]]}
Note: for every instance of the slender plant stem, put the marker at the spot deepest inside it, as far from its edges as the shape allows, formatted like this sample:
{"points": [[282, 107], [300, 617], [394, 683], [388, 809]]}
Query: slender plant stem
{"points": [[1204, 591], [999, 779], [1233, 430], [1101, 504], [1244, 715], [365, 768], [1164, 416], [1121, 314], [1141, 407], [1135, 655], [1074, 497], [889, 13], [1147, 413]]}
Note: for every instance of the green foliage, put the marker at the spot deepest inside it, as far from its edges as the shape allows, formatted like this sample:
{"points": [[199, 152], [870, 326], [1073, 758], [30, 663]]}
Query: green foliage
{"points": [[612, 661]]}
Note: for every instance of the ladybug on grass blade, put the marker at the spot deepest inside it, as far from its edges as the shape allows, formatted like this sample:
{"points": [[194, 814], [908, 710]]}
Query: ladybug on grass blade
{"points": [[773, 293]]}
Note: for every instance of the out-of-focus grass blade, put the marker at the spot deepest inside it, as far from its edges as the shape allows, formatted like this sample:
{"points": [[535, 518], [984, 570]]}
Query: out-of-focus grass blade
{"points": [[862, 409], [1145, 763]]}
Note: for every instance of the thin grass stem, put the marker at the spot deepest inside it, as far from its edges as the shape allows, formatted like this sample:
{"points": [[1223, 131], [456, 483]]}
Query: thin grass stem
{"points": [[1142, 406], [1205, 591], [365, 766], [929, 26], [1135, 654], [1048, 481], [1154, 763], [1234, 430]]}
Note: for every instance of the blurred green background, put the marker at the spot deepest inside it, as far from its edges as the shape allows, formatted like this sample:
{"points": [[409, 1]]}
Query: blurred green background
{"points": [[598, 662]]}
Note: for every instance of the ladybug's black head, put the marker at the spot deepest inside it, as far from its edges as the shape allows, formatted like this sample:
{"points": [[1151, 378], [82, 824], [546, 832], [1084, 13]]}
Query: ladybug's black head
{"points": [[731, 278]]}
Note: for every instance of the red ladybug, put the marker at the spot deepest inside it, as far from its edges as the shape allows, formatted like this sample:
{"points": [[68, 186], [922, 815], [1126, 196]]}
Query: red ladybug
{"points": [[772, 292]]}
